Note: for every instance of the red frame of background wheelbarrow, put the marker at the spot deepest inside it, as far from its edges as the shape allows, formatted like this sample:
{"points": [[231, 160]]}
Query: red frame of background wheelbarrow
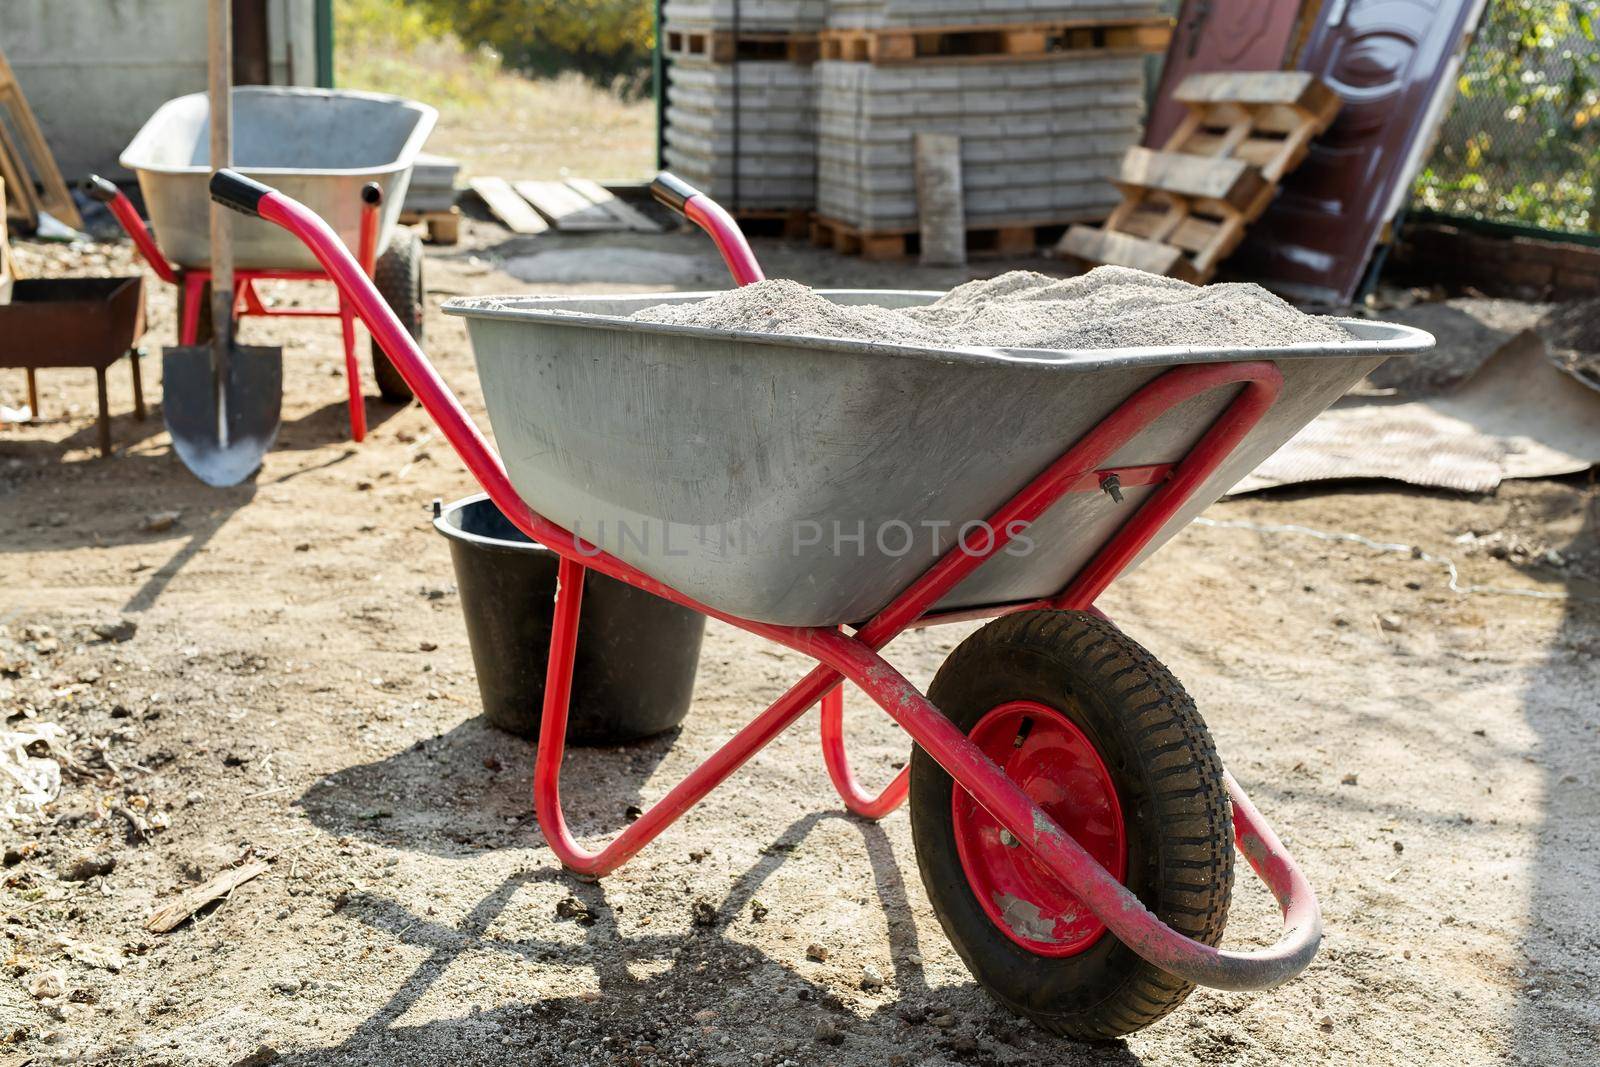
{"points": [[247, 301], [855, 657]]}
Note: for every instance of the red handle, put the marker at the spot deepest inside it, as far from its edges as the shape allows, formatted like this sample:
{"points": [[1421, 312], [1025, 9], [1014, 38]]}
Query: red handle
{"points": [[123, 210], [706, 213]]}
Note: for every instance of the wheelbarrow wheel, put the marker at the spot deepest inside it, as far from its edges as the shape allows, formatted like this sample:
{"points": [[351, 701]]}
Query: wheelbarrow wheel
{"points": [[1104, 738], [398, 276]]}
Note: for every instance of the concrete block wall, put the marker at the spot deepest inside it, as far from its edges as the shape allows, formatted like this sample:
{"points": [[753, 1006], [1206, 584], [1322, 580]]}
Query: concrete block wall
{"points": [[1037, 137], [772, 104]]}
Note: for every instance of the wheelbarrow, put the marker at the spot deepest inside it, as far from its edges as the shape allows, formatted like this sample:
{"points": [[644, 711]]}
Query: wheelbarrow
{"points": [[1073, 823], [348, 154]]}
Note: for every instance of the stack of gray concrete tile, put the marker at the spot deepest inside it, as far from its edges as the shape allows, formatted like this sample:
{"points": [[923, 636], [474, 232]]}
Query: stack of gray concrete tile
{"points": [[744, 132], [751, 16], [433, 184], [889, 14], [1038, 136]]}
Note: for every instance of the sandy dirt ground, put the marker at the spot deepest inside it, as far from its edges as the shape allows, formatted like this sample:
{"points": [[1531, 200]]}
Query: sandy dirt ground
{"points": [[299, 688]]}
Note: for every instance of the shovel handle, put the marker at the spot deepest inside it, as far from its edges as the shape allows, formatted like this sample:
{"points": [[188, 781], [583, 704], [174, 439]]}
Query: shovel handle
{"points": [[673, 192]]}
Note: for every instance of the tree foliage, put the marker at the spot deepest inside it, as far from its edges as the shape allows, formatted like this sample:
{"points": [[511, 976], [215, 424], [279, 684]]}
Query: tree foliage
{"points": [[601, 38]]}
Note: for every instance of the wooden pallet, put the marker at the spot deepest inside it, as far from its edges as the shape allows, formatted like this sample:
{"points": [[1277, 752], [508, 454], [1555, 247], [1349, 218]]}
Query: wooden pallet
{"points": [[726, 46], [1037, 40], [444, 227], [26, 162], [1185, 207], [1021, 238]]}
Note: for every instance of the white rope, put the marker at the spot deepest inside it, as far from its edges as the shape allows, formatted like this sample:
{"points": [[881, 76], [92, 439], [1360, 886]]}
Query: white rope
{"points": [[1395, 547]]}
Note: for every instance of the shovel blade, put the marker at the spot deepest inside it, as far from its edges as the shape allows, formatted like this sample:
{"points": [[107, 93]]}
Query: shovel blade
{"points": [[221, 434]]}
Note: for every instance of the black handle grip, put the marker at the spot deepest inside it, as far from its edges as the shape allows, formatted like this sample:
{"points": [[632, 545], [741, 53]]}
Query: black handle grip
{"points": [[97, 188], [232, 189], [372, 194], [672, 191]]}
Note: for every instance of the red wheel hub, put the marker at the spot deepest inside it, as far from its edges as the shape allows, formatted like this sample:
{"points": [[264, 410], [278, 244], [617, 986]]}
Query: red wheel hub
{"points": [[1056, 765]]}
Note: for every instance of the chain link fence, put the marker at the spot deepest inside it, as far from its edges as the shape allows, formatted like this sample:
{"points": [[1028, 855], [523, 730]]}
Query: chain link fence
{"points": [[1521, 144]]}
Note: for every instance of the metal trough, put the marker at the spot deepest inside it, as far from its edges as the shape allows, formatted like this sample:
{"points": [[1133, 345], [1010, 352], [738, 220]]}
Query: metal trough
{"points": [[808, 481], [318, 145]]}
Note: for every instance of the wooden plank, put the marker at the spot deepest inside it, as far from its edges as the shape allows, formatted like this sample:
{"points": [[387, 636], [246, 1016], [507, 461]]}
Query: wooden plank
{"points": [[1260, 151], [620, 209], [1230, 181], [7, 275], [507, 206], [1125, 250], [941, 209], [566, 208], [218, 886], [1247, 87], [55, 198], [23, 205]]}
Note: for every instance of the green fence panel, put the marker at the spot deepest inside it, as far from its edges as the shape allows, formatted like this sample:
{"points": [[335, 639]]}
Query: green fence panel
{"points": [[1521, 144]]}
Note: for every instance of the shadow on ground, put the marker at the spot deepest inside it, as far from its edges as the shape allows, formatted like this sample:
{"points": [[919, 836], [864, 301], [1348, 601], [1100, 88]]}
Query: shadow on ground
{"points": [[648, 984]]}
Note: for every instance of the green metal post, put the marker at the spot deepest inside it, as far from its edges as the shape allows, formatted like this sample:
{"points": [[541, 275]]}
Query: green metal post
{"points": [[658, 83], [324, 27]]}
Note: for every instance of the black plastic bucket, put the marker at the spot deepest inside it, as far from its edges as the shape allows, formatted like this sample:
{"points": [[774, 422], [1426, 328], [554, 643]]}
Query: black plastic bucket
{"points": [[635, 666]]}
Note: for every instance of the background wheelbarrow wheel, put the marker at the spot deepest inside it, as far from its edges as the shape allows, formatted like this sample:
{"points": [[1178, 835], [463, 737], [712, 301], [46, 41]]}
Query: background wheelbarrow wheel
{"points": [[398, 276], [1105, 739]]}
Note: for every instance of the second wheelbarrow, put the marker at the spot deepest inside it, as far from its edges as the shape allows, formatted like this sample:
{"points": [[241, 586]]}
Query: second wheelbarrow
{"points": [[1073, 824], [348, 154]]}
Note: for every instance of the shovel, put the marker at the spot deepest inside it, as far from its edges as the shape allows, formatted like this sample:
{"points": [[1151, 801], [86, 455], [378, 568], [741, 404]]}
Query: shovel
{"points": [[221, 401]]}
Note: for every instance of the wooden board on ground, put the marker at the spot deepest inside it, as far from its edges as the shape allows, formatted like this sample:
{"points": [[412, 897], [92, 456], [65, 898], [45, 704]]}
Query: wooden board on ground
{"points": [[173, 915], [566, 208], [624, 212], [504, 203], [26, 160], [941, 209]]}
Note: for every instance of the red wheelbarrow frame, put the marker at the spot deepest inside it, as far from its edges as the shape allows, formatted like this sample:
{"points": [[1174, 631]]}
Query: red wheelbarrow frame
{"points": [[246, 300], [854, 657]]}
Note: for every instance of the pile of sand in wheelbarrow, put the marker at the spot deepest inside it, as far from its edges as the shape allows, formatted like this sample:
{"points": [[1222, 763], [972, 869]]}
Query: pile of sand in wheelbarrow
{"points": [[1110, 307]]}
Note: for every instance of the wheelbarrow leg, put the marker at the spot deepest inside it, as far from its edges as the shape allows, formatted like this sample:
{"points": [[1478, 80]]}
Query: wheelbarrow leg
{"points": [[835, 759], [103, 419], [138, 384], [33, 395], [557, 703], [352, 372]]}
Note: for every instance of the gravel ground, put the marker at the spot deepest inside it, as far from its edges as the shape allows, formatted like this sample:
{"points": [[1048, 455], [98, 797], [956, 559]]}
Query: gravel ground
{"points": [[296, 686]]}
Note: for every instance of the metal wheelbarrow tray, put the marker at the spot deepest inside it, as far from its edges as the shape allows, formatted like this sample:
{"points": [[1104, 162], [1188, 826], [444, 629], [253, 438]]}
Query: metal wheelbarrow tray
{"points": [[320, 146], [807, 481], [1073, 824]]}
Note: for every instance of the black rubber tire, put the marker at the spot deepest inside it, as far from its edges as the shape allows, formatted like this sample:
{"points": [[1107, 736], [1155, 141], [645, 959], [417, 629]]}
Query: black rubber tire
{"points": [[398, 276], [203, 326], [1178, 820]]}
